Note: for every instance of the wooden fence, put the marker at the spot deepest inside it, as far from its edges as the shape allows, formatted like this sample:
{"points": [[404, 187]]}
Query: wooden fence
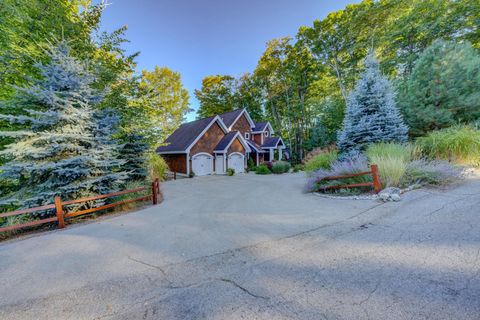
{"points": [[61, 216], [373, 172]]}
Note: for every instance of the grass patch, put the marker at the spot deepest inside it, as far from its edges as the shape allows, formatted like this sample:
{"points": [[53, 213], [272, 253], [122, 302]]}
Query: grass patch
{"points": [[321, 161], [392, 160], [460, 144]]}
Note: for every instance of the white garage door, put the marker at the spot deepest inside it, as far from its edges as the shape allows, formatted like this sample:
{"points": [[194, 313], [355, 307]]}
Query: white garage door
{"points": [[236, 161], [202, 164]]}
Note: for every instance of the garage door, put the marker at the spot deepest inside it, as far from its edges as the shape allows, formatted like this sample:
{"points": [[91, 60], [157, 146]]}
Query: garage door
{"points": [[202, 164], [236, 161]]}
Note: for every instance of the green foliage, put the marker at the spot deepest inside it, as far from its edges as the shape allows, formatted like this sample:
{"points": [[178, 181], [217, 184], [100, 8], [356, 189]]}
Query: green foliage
{"points": [[133, 153], [392, 160], [230, 172], [161, 103], [280, 167], [321, 161], [459, 144], [263, 169], [68, 148], [216, 95], [130, 185], [298, 167], [157, 167], [442, 89], [191, 174]]}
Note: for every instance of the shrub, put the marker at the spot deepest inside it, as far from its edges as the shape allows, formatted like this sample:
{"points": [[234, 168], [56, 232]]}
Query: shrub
{"points": [[431, 172], [157, 167], [280, 167], [355, 164], [298, 167], [230, 172], [459, 144], [262, 169], [130, 185], [321, 161], [191, 174], [392, 160]]}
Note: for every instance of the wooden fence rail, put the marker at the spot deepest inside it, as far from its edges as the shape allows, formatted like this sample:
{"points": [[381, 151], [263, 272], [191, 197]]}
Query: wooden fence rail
{"points": [[373, 172], [60, 215]]}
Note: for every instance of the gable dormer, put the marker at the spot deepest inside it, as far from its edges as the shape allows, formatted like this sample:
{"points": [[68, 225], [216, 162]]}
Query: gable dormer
{"points": [[238, 120], [261, 131]]}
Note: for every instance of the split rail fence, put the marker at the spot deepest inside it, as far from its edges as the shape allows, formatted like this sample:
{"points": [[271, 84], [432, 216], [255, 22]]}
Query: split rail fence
{"points": [[375, 183], [61, 216]]}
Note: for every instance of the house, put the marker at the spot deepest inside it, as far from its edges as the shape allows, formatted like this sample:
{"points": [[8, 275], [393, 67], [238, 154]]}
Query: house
{"points": [[214, 144]]}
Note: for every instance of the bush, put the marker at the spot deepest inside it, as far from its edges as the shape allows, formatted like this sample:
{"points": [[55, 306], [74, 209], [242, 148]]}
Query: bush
{"points": [[459, 144], [392, 160], [355, 164], [191, 174], [280, 167], [431, 172], [230, 172], [262, 169], [298, 167], [321, 161], [157, 167]]}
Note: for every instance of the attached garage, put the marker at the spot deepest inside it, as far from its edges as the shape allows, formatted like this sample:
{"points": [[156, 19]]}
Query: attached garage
{"points": [[236, 161], [202, 164]]}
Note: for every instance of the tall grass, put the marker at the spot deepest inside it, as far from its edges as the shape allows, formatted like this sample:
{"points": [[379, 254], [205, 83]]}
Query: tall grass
{"points": [[157, 167], [321, 161], [459, 144], [392, 160]]}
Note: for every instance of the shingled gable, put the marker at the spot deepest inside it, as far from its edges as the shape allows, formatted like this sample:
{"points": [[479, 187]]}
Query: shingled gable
{"points": [[228, 139], [229, 118], [262, 126], [182, 139]]}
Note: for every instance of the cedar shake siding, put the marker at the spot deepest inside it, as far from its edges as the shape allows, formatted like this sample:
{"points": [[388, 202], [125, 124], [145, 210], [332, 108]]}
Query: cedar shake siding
{"points": [[258, 138], [176, 162], [236, 146], [208, 141], [242, 125]]}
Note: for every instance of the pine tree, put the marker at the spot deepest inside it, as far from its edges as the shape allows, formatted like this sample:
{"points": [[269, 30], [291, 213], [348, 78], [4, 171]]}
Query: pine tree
{"points": [[372, 115], [64, 150], [442, 89], [134, 154]]}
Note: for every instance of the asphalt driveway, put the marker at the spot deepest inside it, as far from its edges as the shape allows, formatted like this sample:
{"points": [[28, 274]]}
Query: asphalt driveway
{"points": [[255, 247]]}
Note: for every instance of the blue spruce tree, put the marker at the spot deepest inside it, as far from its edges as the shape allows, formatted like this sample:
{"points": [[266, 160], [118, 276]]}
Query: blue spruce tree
{"points": [[65, 150], [372, 115]]}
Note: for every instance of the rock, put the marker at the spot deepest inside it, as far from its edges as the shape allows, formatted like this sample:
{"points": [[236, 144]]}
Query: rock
{"points": [[390, 194], [395, 197]]}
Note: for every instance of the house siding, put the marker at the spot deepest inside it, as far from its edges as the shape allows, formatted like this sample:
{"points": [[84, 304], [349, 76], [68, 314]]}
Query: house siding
{"points": [[236, 146], [208, 141], [176, 162], [242, 125], [257, 138]]}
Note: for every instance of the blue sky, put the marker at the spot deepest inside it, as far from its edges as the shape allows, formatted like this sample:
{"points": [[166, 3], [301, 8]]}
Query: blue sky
{"points": [[205, 37]]}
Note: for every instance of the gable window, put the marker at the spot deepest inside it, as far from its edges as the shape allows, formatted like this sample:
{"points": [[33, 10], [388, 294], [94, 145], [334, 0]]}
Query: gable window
{"points": [[266, 133], [247, 135]]}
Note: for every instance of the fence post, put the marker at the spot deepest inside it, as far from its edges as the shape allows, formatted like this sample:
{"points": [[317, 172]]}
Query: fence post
{"points": [[154, 192], [376, 180], [59, 212]]}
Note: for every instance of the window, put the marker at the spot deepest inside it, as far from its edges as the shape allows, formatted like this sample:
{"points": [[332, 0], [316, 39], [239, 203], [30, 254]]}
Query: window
{"points": [[247, 135], [266, 133]]}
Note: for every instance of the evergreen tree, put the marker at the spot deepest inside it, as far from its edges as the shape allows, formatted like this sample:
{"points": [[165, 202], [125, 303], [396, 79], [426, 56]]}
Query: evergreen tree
{"points": [[134, 154], [443, 88], [371, 115], [65, 150]]}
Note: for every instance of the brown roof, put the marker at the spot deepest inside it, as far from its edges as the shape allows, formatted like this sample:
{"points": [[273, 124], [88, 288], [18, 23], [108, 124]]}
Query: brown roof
{"points": [[184, 136]]}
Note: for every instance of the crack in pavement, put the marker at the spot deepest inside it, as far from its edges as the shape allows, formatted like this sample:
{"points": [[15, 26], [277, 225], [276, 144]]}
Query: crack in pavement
{"points": [[243, 288]]}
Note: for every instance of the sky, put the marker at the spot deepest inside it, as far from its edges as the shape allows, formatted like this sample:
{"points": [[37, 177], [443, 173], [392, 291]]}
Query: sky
{"points": [[206, 37]]}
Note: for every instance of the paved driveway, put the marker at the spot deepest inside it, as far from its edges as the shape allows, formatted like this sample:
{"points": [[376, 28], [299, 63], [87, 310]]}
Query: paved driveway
{"points": [[255, 247]]}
